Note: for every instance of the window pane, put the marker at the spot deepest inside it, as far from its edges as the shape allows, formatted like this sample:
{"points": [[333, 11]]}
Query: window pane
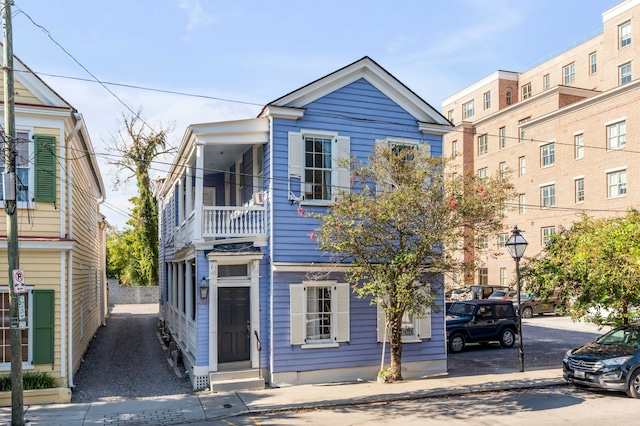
{"points": [[318, 313]]}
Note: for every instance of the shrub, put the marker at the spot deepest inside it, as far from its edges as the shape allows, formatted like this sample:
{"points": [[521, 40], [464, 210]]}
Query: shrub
{"points": [[30, 380]]}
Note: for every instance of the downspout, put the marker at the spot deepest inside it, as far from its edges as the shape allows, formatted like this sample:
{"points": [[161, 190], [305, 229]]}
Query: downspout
{"points": [[103, 266], [271, 272], [69, 235]]}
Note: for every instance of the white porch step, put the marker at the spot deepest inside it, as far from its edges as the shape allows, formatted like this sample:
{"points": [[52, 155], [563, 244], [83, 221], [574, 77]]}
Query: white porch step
{"points": [[226, 381]]}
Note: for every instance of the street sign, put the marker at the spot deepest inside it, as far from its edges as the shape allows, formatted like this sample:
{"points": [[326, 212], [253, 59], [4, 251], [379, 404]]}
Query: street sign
{"points": [[21, 308], [18, 281]]}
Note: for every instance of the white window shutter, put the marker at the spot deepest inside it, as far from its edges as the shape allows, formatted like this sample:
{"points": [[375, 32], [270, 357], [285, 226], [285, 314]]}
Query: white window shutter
{"points": [[295, 155], [343, 295], [342, 174], [424, 326], [296, 309], [425, 148], [381, 322], [296, 167], [380, 143]]}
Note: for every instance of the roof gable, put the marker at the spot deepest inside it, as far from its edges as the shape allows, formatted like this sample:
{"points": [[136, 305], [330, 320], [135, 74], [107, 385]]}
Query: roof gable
{"points": [[365, 68]]}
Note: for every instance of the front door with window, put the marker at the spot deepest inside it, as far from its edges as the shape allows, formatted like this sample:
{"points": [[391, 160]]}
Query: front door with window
{"points": [[234, 325]]}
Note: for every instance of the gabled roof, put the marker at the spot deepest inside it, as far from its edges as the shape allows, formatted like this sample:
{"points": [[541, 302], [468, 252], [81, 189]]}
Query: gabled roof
{"points": [[365, 68]]}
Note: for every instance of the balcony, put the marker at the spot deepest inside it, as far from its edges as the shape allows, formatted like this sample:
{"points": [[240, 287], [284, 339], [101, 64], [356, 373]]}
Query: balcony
{"points": [[234, 222], [221, 223]]}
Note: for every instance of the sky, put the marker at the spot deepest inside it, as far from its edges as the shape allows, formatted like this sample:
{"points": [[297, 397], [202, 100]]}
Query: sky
{"points": [[181, 62]]}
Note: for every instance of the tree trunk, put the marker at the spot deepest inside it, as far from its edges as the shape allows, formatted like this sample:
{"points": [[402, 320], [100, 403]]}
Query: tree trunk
{"points": [[395, 347]]}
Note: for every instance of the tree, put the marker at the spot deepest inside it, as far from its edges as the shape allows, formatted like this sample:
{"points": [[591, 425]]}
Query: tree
{"points": [[394, 225], [136, 150], [594, 266]]}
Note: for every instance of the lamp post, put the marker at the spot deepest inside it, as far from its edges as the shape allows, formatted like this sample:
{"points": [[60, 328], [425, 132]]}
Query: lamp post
{"points": [[516, 246]]}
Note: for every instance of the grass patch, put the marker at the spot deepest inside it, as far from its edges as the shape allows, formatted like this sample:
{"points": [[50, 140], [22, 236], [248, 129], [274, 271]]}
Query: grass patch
{"points": [[30, 381]]}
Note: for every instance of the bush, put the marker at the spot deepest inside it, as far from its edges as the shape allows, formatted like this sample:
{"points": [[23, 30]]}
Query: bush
{"points": [[30, 380]]}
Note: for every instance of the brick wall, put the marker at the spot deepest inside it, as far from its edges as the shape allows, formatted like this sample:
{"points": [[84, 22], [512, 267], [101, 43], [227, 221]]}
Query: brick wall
{"points": [[119, 295]]}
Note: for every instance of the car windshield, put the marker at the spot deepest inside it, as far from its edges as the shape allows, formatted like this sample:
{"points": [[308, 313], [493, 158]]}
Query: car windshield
{"points": [[621, 337], [465, 309], [498, 294]]}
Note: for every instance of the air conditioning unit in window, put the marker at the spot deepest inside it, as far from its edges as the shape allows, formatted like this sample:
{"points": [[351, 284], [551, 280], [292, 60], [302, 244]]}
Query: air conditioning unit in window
{"points": [[257, 198]]}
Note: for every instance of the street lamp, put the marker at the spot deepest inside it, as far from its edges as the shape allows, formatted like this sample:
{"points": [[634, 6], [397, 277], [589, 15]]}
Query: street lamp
{"points": [[516, 246]]}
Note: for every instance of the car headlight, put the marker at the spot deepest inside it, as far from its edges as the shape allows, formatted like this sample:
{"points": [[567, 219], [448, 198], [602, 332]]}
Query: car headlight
{"points": [[615, 361]]}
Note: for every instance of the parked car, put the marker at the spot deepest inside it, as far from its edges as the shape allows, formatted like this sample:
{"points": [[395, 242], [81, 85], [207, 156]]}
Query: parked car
{"points": [[481, 321], [502, 295], [533, 305], [460, 294], [612, 362]]}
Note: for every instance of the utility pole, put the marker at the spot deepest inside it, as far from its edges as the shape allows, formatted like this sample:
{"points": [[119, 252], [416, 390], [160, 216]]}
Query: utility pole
{"points": [[17, 415]]}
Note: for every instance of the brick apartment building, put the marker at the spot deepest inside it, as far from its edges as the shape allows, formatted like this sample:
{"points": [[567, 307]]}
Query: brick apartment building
{"points": [[568, 130]]}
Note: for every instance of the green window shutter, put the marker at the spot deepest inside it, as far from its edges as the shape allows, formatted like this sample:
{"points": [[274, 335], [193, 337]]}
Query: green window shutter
{"points": [[43, 326], [45, 168]]}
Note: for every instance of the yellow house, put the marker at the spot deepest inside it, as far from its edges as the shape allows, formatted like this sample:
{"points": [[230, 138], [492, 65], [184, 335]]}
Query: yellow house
{"points": [[60, 232]]}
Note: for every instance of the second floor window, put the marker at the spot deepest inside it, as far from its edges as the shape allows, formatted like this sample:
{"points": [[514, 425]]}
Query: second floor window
{"points": [[502, 240], [546, 82], [483, 276], [547, 155], [483, 242], [487, 100], [578, 142], [467, 109], [522, 166], [454, 149], [547, 232], [482, 144], [509, 97], [526, 91], [593, 63], [502, 132], [317, 168], [579, 190], [503, 170], [548, 196], [617, 135], [483, 174], [522, 130], [625, 73], [522, 204], [569, 73], [625, 34], [617, 182]]}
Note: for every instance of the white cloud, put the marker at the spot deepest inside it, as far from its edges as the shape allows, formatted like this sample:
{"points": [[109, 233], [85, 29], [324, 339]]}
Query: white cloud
{"points": [[196, 14]]}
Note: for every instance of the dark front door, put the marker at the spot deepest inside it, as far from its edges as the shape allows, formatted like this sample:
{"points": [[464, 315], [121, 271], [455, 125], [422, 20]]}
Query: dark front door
{"points": [[233, 324]]}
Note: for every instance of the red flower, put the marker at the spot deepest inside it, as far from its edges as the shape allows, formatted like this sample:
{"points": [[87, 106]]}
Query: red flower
{"points": [[300, 211], [312, 235], [480, 189], [453, 206], [484, 195], [372, 213], [450, 197]]}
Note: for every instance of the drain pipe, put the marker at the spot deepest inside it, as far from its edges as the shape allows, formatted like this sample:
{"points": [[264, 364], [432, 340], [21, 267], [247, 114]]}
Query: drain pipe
{"points": [[271, 273]]}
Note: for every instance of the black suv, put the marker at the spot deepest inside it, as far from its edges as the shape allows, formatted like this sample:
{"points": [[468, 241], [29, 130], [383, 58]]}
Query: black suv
{"points": [[481, 321], [612, 362]]}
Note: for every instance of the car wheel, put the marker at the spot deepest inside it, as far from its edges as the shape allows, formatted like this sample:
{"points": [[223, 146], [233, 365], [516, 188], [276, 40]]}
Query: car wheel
{"points": [[527, 312], [634, 385], [508, 338], [456, 343]]}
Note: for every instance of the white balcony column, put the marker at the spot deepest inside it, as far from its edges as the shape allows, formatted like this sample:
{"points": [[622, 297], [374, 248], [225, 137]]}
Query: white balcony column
{"points": [[188, 277], [181, 287], [197, 219], [188, 187], [180, 200], [170, 283]]}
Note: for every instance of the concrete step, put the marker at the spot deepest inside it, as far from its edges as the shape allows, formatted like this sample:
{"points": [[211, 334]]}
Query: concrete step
{"points": [[237, 384], [224, 381]]}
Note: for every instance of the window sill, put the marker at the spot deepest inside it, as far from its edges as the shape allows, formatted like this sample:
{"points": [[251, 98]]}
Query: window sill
{"points": [[412, 340], [320, 345], [25, 366]]}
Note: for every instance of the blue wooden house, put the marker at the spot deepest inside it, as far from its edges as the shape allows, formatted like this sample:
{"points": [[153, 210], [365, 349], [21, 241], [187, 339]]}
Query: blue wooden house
{"points": [[248, 297]]}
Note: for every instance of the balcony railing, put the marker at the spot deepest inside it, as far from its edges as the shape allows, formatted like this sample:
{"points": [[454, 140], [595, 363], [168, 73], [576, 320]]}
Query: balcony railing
{"points": [[234, 222]]}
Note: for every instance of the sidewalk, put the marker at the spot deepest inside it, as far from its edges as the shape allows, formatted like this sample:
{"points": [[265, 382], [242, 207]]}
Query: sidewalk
{"points": [[204, 406]]}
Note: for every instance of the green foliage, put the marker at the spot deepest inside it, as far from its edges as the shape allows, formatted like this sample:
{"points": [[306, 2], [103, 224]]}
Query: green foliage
{"points": [[594, 265], [30, 380], [394, 225], [133, 254]]}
